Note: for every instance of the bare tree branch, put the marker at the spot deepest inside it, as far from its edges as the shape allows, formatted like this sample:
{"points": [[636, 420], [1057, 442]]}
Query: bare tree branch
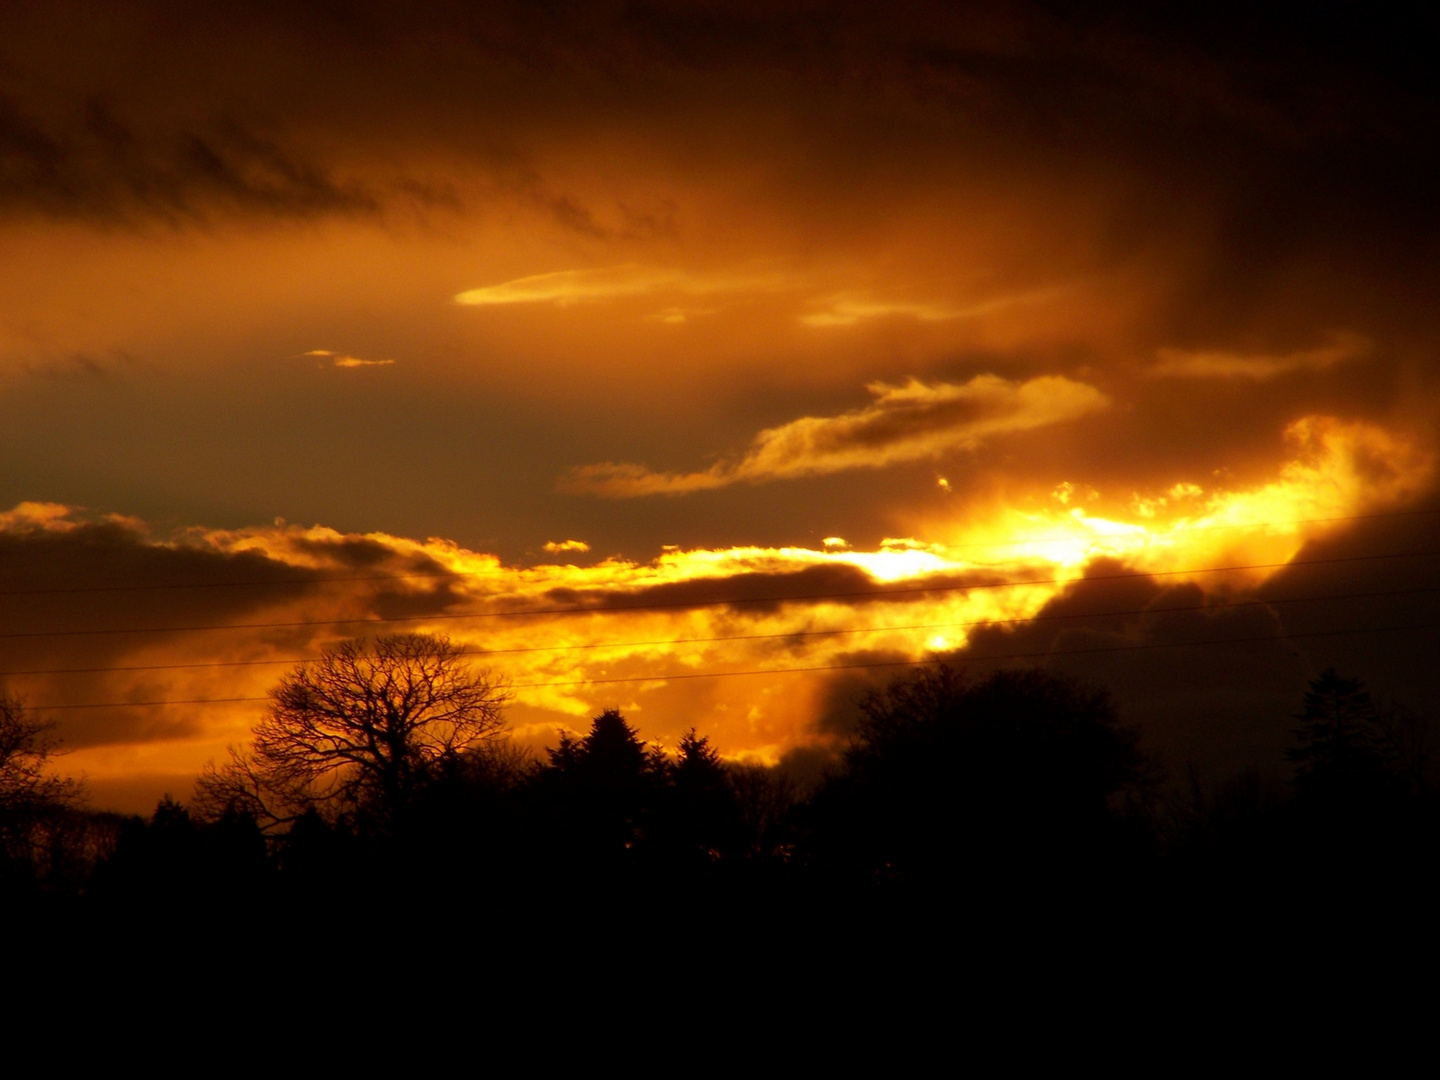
{"points": [[357, 730]]}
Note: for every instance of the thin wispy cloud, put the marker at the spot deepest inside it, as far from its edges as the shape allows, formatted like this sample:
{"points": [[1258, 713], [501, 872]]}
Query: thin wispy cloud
{"points": [[848, 312], [818, 304], [850, 309], [564, 287], [344, 360], [1259, 367], [904, 423]]}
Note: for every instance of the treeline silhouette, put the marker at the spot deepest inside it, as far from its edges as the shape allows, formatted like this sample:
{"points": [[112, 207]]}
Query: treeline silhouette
{"points": [[1003, 796]]}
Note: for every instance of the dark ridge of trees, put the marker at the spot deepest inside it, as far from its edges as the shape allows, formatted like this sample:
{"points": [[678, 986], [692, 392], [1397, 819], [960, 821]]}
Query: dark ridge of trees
{"points": [[1356, 828], [182, 866], [991, 787], [1019, 798]]}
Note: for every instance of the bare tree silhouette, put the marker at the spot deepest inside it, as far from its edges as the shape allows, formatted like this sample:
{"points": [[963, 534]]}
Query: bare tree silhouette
{"points": [[32, 798], [26, 746], [357, 731]]}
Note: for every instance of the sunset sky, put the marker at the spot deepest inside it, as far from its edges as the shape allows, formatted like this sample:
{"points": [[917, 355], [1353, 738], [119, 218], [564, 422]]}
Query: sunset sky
{"points": [[636, 344]]}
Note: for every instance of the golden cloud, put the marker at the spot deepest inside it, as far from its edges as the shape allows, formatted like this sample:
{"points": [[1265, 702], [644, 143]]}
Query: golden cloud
{"points": [[848, 309], [1258, 367], [904, 423], [556, 547], [1336, 468], [573, 286], [36, 515], [565, 287], [344, 360]]}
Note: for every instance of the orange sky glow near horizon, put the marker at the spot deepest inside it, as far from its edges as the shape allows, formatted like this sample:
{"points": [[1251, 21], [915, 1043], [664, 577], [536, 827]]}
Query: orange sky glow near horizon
{"points": [[616, 647]]}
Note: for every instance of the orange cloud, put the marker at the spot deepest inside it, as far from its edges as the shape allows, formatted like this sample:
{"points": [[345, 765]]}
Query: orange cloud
{"points": [[1337, 468], [572, 286], [556, 547], [1258, 367], [848, 309], [904, 423], [343, 360], [565, 287]]}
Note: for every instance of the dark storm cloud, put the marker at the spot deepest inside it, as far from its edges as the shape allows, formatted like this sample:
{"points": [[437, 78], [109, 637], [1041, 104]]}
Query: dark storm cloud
{"points": [[1388, 630], [101, 168], [362, 552], [298, 110], [45, 573], [845, 692], [89, 603], [764, 591], [403, 584], [435, 598], [92, 596]]}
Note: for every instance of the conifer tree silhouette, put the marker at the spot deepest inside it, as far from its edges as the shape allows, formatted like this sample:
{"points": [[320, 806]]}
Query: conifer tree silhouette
{"points": [[1340, 752]]}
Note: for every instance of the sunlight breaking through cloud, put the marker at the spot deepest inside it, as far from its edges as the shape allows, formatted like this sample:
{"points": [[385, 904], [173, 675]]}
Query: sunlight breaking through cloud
{"points": [[570, 639]]}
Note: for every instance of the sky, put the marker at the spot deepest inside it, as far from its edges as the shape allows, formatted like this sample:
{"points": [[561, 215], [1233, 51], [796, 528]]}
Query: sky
{"points": [[714, 362]]}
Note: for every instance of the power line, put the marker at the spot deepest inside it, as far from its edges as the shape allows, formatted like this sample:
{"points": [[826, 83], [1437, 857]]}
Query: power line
{"points": [[685, 675], [444, 574], [1218, 605], [696, 604]]}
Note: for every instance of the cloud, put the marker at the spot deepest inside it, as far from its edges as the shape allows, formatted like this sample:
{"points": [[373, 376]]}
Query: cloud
{"points": [[811, 290], [850, 309], [848, 312], [1258, 367], [555, 548], [565, 287], [102, 166], [344, 360], [903, 423], [677, 316], [572, 286]]}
